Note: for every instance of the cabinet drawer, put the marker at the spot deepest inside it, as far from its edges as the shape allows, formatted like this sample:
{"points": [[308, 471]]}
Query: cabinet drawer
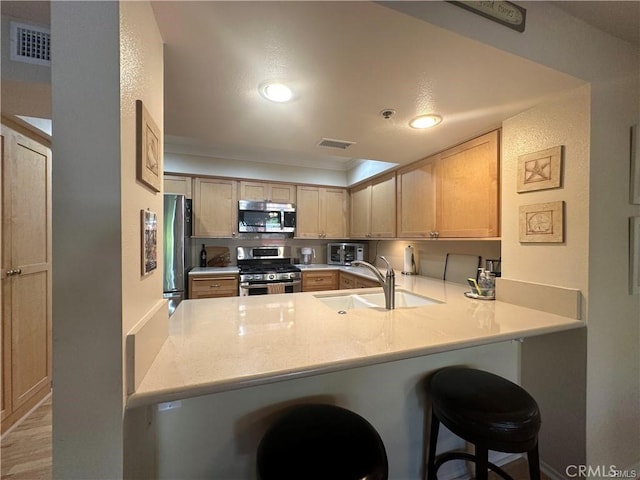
{"points": [[208, 287], [315, 281]]}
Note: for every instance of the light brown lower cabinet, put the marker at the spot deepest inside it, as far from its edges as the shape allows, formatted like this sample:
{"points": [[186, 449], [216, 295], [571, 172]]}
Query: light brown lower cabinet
{"points": [[213, 286], [348, 281], [26, 273], [320, 280]]}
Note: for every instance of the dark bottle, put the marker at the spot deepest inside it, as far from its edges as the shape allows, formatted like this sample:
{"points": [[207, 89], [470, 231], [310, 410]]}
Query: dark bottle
{"points": [[203, 256]]}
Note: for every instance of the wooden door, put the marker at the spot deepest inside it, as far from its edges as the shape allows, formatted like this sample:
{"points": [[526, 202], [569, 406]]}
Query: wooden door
{"points": [[383, 207], [416, 196], [360, 212], [26, 271], [334, 210], [308, 212], [215, 208], [468, 193]]}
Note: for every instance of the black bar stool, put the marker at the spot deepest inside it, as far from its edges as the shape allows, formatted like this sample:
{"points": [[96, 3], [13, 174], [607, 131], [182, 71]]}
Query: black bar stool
{"points": [[486, 410], [321, 442]]}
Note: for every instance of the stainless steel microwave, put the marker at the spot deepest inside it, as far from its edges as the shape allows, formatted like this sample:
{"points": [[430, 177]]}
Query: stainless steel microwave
{"points": [[266, 217], [344, 253]]}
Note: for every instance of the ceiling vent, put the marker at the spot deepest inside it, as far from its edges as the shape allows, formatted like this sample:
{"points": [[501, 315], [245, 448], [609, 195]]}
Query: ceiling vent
{"points": [[333, 143], [30, 44]]}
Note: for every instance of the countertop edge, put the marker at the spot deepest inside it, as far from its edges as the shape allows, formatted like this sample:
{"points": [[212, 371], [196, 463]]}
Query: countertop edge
{"points": [[136, 400]]}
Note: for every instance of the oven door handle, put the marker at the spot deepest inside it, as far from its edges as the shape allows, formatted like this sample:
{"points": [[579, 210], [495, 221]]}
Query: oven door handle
{"points": [[248, 286]]}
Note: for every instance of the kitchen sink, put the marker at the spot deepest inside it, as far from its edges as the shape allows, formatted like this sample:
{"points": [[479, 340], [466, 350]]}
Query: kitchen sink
{"points": [[347, 301]]}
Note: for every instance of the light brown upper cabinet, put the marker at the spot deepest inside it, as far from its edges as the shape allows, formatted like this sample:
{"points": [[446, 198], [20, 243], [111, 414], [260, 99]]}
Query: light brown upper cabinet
{"points": [[178, 185], [373, 208], [25, 273], [215, 208], [417, 199], [274, 192], [468, 189], [321, 212]]}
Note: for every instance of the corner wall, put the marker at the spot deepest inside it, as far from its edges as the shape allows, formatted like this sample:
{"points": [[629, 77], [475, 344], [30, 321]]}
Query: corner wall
{"points": [[107, 55], [87, 236], [553, 366]]}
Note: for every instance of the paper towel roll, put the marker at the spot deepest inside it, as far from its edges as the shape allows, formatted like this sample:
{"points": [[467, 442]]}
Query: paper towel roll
{"points": [[409, 262]]}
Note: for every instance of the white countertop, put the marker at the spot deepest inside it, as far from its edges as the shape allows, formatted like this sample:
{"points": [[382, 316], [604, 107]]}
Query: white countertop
{"points": [[197, 271], [228, 343]]}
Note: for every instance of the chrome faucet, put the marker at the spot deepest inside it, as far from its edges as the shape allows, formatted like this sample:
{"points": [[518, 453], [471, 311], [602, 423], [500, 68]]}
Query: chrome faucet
{"points": [[388, 282]]}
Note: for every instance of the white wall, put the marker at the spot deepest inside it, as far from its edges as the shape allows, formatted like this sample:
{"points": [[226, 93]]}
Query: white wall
{"points": [[216, 436], [87, 236], [99, 292], [202, 165], [564, 121], [560, 41]]}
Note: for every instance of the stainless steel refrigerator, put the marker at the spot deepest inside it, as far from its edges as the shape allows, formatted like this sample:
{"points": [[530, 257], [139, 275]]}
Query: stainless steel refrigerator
{"points": [[177, 248]]}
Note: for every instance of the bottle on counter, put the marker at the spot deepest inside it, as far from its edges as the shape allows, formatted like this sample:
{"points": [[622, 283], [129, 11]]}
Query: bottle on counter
{"points": [[487, 283], [203, 256]]}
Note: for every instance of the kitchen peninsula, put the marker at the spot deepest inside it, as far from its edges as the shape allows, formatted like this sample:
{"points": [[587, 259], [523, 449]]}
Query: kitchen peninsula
{"points": [[230, 364], [222, 344]]}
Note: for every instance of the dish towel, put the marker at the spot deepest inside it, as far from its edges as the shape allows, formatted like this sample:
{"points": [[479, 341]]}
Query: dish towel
{"points": [[275, 288]]}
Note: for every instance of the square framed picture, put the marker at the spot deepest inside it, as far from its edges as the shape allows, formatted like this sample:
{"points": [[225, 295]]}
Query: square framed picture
{"points": [[148, 149], [540, 170], [149, 223], [542, 223]]}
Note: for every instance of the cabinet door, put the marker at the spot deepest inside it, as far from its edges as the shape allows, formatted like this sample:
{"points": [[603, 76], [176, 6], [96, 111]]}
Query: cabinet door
{"points": [[254, 191], [178, 185], [213, 287], [360, 212], [416, 195], [347, 281], [215, 208], [334, 209], [383, 208], [308, 212], [26, 274], [318, 281], [467, 189], [274, 192], [283, 193]]}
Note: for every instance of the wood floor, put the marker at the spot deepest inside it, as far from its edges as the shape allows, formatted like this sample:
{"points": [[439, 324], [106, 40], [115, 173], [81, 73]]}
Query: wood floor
{"points": [[26, 450]]}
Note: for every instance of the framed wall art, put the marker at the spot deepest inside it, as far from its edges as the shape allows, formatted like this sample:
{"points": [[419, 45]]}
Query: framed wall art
{"points": [[634, 186], [542, 223], [634, 255], [540, 170], [148, 149], [149, 223]]}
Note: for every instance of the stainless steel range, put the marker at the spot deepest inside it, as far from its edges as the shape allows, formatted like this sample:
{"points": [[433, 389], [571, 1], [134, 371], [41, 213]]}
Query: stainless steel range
{"points": [[267, 270]]}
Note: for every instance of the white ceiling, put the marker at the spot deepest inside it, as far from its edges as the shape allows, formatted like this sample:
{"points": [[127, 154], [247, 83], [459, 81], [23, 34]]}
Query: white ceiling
{"points": [[346, 61]]}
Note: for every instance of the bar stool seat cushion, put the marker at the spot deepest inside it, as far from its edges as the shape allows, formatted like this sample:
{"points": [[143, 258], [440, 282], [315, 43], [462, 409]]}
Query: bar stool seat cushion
{"points": [[319, 441], [484, 408]]}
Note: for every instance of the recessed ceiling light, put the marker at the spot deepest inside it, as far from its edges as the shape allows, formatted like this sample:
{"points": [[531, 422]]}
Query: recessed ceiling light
{"points": [[425, 121], [276, 92]]}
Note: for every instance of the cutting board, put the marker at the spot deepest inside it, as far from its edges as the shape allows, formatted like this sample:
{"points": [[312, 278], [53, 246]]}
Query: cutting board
{"points": [[218, 256]]}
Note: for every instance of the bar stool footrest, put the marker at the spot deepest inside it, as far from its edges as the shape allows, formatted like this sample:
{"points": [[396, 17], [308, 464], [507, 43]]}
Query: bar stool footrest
{"points": [[448, 456]]}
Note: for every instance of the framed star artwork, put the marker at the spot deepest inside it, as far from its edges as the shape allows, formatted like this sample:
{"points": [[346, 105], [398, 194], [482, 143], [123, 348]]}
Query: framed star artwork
{"points": [[540, 170], [148, 149]]}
